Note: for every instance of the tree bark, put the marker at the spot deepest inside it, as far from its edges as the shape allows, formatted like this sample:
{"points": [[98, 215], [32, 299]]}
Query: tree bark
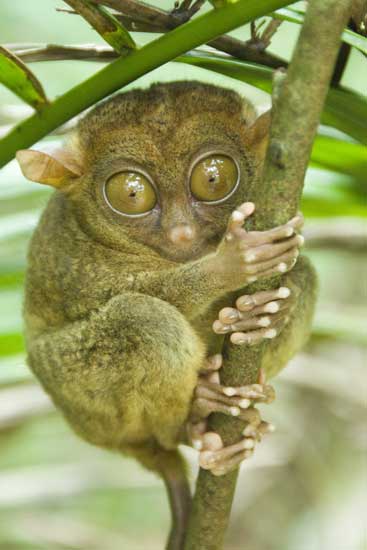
{"points": [[296, 112]]}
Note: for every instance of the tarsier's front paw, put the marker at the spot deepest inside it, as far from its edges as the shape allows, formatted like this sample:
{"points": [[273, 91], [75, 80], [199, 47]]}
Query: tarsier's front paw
{"points": [[253, 255], [257, 316], [210, 396]]}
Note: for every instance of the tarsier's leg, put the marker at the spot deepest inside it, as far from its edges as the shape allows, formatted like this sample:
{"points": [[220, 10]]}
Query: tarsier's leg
{"points": [[130, 367]]}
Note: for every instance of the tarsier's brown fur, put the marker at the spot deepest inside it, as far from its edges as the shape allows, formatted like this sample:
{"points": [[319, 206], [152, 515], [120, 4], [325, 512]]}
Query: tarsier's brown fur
{"points": [[118, 319]]}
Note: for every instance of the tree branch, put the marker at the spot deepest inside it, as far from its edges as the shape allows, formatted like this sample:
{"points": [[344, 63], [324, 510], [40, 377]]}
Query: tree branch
{"points": [[248, 51], [296, 113], [53, 52], [139, 11], [122, 71]]}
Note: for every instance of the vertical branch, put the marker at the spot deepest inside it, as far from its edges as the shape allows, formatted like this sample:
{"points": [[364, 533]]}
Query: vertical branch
{"points": [[295, 117]]}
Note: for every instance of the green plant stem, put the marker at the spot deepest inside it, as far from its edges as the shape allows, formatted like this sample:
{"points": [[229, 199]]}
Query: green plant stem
{"points": [[297, 107], [111, 30], [126, 70]]}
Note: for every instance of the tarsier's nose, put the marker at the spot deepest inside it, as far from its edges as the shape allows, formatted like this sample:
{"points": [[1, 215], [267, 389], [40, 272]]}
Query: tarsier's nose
{"points": [[181, 234]]}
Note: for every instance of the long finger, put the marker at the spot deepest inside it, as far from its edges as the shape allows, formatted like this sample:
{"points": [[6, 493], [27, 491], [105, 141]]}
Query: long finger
{"points": [[232, 463], [280, 262], [245, 324], [239, 216], [249, 301], [281, 232], [268, 251], [253, 337]]}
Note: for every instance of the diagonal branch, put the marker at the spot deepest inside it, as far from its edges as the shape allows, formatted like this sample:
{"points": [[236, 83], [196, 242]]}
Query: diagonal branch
{"points": [[296, 113], [253, 51]]}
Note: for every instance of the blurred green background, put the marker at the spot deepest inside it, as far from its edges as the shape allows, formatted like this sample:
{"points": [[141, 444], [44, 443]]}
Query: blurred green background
{"points": [[306, 486]]}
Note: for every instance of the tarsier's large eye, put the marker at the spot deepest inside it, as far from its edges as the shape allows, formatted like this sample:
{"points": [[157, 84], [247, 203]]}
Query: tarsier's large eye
{"points": [[130, 193], [214, 178]]}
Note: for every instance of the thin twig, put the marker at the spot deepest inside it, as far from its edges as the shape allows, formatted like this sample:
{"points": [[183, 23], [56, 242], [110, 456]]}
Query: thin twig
{"points": [[139, 11], [261, 41], [53, 52]]}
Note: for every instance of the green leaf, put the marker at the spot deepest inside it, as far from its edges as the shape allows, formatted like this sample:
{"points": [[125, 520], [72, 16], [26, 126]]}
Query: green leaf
{"points": [[349, 37], [328, 194], [124, 70], [111, 30], [344, 109], [347, 111], [16, 76], [341, 156], [222, 3], [11, 344], [345, 326]]}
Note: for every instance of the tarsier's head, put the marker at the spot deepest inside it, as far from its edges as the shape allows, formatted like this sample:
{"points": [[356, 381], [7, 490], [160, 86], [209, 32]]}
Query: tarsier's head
{"points": [[163, 167]]}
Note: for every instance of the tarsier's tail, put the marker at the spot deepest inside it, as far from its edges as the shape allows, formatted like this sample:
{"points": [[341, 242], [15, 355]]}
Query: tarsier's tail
{"points": [[171, 467], [179, 495]]}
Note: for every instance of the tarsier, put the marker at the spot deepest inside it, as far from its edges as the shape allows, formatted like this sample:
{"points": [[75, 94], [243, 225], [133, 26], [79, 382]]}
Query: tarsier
{"points": [[133, 273]]}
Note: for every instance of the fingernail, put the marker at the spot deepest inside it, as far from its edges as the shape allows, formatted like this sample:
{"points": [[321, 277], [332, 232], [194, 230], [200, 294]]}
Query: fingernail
{"points": [[284, 292], [249, 431], [239, 341], [249, 257], [244, 301], [271, 333], [256, 394], [237, 216], [238, 338], [197, 444], [235, 411], [271, 428], [248, 444], [282, 267], [289, 231], [244, 403], [233, 316], [301, 240], [221, 329], [263, 322], [217, 360], [229, 237], [229, 391], [271, 307], [248, 208]]}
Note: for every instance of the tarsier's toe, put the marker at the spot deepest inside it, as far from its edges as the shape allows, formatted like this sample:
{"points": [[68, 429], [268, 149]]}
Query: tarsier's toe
{"points": [[220, 460]]}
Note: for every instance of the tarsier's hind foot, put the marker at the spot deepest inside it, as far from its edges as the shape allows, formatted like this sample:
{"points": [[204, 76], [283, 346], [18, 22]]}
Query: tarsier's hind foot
{"points": [[258, 316], [211, 396]]}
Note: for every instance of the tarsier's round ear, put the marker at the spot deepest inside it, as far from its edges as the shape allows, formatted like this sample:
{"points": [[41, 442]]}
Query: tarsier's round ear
{"points": [[57, 169], [257, 135]]}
